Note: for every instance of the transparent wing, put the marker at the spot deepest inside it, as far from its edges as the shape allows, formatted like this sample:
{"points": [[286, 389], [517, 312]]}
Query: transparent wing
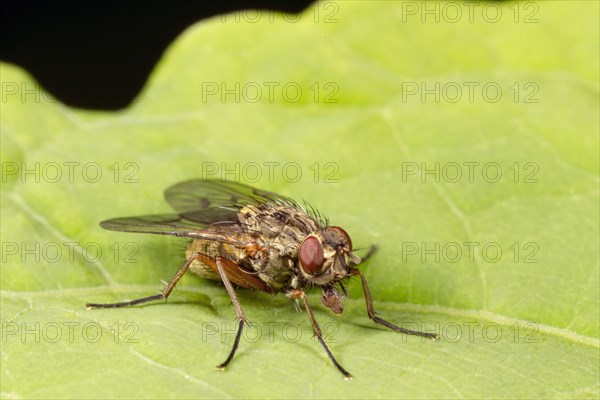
{"points": [[194, 195], [174, 225], [206, 209]]}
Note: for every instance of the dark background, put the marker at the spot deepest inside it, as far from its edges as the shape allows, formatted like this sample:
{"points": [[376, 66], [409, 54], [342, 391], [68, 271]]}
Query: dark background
{"points": [[99, 55]]}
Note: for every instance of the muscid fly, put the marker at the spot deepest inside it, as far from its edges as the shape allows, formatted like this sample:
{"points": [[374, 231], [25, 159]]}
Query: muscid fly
{"points": [[256, 240]]}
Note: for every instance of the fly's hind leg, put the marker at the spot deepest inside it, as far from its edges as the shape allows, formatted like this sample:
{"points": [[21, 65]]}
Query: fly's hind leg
{"points": [[165, 293], [223, 267]]}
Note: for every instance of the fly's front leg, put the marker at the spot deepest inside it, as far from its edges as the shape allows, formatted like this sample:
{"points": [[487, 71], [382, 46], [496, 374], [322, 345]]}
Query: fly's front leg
{"points": [[372, 313], [165, 293], [296, 294]]}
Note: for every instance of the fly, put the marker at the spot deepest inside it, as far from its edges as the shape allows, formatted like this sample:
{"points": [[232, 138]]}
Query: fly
{"points": [[257, 240]]}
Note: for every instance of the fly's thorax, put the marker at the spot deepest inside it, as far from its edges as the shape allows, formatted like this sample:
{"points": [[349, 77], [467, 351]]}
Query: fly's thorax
{"points": [[282, 227], [325, 256], [248, 217], [285, 221]]}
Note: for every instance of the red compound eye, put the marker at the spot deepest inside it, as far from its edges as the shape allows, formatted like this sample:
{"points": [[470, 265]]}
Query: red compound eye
{"points": [[311, 255]]}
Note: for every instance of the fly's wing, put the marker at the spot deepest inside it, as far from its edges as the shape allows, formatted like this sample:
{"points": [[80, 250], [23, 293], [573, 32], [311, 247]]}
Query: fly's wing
{"points": [[188, 197], [174, 225], [206, 209]]}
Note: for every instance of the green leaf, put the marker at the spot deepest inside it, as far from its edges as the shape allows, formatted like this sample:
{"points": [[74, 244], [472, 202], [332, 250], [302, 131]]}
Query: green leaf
{"points": [[404, 121]]}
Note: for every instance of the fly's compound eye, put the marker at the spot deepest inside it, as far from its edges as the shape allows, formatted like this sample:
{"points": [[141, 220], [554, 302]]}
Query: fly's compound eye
{"points": [[311, 255], [344, 234], [337, 238]]}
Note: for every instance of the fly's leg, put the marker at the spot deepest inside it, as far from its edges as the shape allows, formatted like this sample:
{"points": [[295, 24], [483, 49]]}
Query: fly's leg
{"points": [[171, 285], [165, 293], [296, 294], [372, 313], [238, 309]]}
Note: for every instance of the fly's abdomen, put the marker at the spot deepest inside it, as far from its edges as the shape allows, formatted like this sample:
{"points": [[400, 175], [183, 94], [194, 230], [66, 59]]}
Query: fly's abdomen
{"points": [[210, 248]]}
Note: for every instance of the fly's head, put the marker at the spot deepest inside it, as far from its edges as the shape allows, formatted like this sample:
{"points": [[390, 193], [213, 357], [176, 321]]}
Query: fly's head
{"points": [[326, 257]]}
